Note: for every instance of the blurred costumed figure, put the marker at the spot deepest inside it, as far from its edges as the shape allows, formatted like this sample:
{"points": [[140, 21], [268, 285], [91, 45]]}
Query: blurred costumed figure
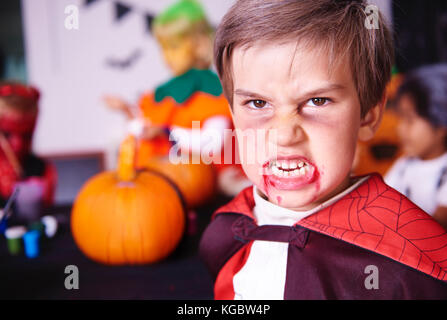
{"points": [[19, 167], [421, 173], [190, 101]]}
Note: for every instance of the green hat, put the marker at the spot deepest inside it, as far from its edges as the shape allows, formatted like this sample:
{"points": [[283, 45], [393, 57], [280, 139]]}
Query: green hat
{"points": [[188, 11]]}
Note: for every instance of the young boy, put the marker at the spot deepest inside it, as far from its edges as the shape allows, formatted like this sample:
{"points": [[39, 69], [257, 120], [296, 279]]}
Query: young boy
{"points": [[421, 103], [194, 95], [312, 74], [19, 167]]}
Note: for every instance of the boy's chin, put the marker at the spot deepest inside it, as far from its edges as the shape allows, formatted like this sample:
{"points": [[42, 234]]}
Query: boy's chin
{"points": [[294, 200]]}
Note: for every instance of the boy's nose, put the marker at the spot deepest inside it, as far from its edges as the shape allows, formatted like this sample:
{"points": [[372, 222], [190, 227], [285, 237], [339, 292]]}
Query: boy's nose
{"points": [[288, 131]]}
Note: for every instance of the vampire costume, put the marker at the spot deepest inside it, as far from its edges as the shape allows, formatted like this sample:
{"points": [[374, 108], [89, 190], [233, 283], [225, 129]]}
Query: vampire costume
{"points": [[369, 242]]}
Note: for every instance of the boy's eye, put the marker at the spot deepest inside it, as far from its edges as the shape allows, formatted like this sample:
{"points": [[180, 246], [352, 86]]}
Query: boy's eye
{"points": [[258, 104], [318, 102]]}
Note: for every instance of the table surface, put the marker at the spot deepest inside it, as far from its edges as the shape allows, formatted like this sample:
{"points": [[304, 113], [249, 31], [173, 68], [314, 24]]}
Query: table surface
{"points": [[180, 276]]}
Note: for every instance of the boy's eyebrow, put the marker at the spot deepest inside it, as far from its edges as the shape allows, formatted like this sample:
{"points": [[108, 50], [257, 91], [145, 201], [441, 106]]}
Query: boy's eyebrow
{"points": [[331, 87], [249, 94]]}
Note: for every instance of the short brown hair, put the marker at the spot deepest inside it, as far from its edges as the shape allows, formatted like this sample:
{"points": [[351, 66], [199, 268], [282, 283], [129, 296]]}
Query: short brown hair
{"points": [[339, 25]]}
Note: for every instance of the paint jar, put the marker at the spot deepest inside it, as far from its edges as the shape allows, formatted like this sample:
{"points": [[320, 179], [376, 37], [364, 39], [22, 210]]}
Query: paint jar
{"points": [[31, 239], [14, 239]]}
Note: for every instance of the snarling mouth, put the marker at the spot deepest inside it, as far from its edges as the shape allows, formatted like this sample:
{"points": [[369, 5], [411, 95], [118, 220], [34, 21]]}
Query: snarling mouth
{"points": [[289, 172], [289, 168]]}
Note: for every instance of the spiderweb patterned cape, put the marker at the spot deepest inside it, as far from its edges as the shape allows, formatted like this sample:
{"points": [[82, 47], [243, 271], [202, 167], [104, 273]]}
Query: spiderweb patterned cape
{"points": [[374, 217]]}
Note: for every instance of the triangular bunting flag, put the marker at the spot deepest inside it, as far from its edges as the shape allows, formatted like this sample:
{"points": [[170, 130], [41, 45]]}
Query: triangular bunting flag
{"points": [[149, 18], [121, 10], [89, 2]]}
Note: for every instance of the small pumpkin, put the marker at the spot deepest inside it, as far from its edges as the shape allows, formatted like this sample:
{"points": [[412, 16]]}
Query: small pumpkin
{"points": [[127, 217], [197, 182]]}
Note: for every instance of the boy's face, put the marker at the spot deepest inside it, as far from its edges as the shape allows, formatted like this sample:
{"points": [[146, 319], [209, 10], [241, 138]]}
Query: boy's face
{"points": [[17, 127], [311, 116], [418, 137], [178, 52]]}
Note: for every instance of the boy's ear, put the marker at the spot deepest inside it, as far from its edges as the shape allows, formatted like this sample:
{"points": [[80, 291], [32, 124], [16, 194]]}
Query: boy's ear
{"points": [[371, 121]]}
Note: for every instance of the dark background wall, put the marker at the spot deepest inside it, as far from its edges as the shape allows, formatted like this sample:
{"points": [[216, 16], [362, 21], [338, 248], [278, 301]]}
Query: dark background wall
{"points": [[420, 32], [12, 52]]}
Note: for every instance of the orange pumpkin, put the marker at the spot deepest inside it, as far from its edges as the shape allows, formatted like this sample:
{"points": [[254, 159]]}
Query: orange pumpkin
{"points": [[127, 217], [197, 182]]}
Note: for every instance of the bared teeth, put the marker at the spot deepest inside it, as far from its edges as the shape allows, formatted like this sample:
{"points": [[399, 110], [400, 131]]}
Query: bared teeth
{"points": [[288, 164], [275, 170], [289, 168]]}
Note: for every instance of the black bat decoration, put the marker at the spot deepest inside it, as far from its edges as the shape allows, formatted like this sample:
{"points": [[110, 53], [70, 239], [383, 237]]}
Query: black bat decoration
{"points": [[126, 62]]}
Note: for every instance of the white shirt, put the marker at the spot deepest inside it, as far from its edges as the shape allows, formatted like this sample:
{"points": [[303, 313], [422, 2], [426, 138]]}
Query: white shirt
{"points": [[421, 181], [263, 276]]}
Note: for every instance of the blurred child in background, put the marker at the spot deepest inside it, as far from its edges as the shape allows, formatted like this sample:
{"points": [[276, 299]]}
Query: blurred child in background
{"points": [[19, 167], [193, 95], [421, 174]]}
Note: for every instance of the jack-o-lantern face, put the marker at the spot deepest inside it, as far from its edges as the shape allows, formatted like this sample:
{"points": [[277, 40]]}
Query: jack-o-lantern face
{"points": [[379, 154]]}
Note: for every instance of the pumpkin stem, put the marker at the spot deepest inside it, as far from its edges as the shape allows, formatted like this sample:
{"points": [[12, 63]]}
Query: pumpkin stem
{"points": [[126, 160]]}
